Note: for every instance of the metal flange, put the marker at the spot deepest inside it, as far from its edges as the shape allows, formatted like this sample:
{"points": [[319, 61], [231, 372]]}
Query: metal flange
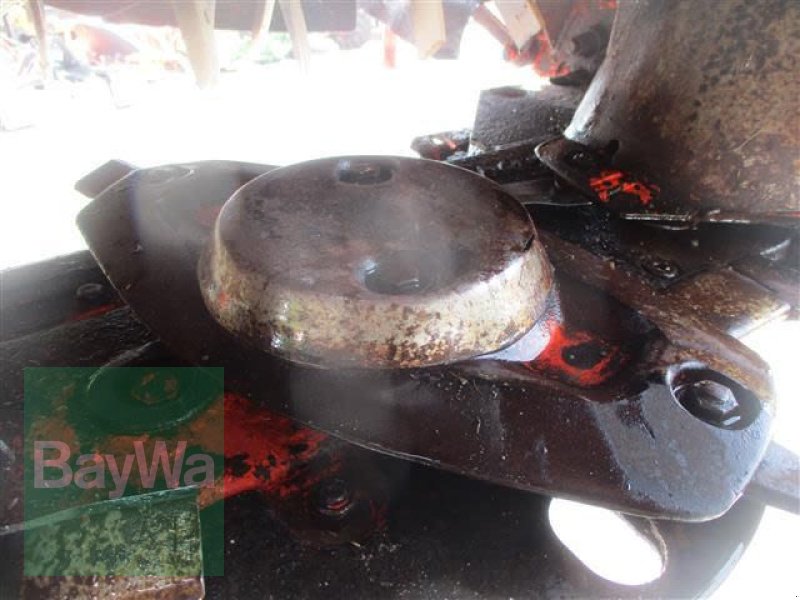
{"points": [[375, 262]]}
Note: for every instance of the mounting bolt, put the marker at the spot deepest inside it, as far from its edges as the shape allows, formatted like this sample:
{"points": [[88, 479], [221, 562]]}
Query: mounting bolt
{"points": [[92, 293], [661, 267], [710, 401], [334, 498]]}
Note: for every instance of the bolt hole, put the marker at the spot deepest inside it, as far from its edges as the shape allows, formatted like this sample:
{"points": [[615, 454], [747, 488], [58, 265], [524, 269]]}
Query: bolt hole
{"points": [[401, 274], [414, 272], [363, 173], [583, 356]]}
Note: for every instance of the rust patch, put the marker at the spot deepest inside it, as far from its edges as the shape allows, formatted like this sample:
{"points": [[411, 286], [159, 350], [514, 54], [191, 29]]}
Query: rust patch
{"points": [[702, 97], [374, 262]]}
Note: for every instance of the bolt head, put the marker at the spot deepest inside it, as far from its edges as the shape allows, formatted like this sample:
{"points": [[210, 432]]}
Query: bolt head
{"points": [[711, 401], [661, 267], [92, 293], [334, 497]]}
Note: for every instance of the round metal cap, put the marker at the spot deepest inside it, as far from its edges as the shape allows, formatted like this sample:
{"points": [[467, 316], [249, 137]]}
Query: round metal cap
{"points": [[375, 262]]}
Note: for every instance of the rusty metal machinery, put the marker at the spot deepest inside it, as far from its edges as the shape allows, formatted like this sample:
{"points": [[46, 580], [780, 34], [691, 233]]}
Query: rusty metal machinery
{"points": [[332, 493], [710, 125], [418, 353], [417, 531]]}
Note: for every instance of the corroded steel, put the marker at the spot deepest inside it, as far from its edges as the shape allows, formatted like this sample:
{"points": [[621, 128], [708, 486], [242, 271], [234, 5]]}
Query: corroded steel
{"points": [[702, 97], [468, 534], [596, 403], [375, 262]]}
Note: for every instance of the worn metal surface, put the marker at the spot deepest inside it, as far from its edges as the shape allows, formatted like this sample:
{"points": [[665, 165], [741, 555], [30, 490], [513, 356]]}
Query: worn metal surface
{"points": [[449, 537], [509, 115], [777, 480], [701, 97], [690, 330], [694, 272], [729, 301], [440, 534], [635, 196], [287, 464], [103, 176], [664, 256], [779, 274], [70, 287], [262, 451], [368, 262], [587, 416], [508, 164]]}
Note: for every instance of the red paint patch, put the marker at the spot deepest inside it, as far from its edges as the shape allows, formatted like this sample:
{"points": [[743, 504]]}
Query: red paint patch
{"points": [[611, 183], [564, 343], [263, 450]]}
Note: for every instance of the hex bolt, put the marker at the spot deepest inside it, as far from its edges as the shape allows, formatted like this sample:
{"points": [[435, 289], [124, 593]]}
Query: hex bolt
{"points": [[334, 497], [711, 401], [661, 267]]}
